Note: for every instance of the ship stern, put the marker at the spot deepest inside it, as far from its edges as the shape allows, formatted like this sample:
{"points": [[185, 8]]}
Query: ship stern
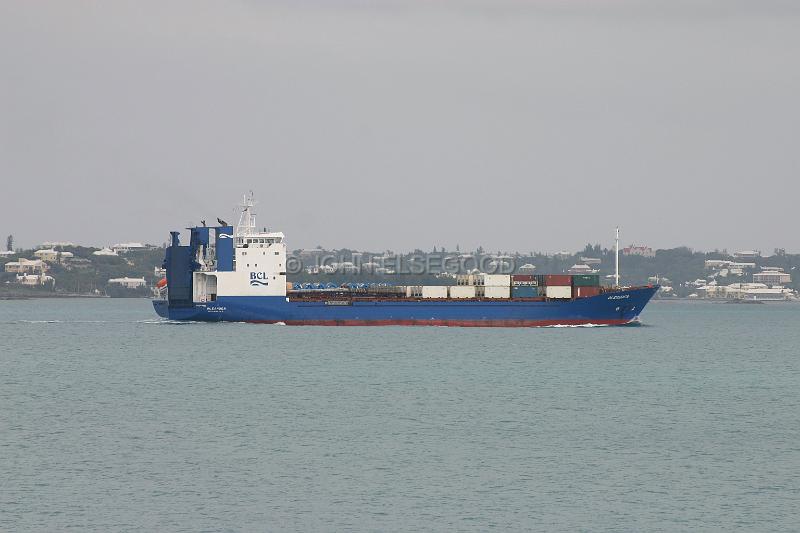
{"points": [[161, 308]]}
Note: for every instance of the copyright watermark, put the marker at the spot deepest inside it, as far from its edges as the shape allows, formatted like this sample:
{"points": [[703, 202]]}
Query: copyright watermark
{"points": [[413, 264]]}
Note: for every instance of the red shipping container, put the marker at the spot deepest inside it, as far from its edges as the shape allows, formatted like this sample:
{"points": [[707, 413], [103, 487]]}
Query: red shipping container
{"points": [[522, 277], [585, 292], [558, 280]]}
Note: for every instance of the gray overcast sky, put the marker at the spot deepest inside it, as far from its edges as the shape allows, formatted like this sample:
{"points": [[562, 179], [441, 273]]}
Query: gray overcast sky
{"points": [[508, 124]]}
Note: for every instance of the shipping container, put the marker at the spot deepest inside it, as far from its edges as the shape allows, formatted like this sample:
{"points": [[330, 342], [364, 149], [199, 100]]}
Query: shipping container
{"points": [[586, 280], [585, 292], [522, 277], [496, 280], [562, 280], [462, 291], [434, 291], [414, 291], [386, 289], [465, 279], [524, 291], [559, 291], [497, 292], [479, 291]]}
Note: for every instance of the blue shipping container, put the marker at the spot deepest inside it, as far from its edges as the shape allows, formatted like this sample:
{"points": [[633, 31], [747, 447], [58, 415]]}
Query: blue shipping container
{"points": [[524, 291]]}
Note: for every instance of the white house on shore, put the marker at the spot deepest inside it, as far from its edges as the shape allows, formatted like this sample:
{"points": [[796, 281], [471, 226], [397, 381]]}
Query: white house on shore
{"points": [[748, 291], [581, 269], [105, 251], [772, 276], [34, 279], [125, 247], [747, 254], [128, 283], [56, 244]]}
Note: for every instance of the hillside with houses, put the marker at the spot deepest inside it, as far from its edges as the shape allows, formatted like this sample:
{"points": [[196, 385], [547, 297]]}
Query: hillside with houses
{"points": [[63, 268], [134, 269]]}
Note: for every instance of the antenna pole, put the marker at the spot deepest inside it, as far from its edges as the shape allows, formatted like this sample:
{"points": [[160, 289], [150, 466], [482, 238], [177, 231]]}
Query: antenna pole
{"points": [[616, 258]]}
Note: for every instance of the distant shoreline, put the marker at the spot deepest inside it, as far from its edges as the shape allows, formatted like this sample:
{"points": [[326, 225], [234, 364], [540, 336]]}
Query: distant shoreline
{"points": [[45, 296]]}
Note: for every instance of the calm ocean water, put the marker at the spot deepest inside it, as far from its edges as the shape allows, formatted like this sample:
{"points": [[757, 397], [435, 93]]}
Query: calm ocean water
{"points": [[113, 420]]}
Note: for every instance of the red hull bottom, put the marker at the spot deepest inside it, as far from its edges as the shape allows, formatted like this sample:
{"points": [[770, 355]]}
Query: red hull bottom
{"points": [[513, 323]]}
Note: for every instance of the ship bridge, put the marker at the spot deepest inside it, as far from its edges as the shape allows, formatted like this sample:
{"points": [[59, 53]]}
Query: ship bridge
{"points": [[258, 240]]}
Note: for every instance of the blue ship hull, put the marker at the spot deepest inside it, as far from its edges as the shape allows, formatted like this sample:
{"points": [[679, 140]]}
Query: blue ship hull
{"points": [[611, 308]]}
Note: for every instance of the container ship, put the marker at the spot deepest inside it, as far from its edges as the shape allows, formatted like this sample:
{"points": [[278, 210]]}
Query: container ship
{"points": [[239, 275]]}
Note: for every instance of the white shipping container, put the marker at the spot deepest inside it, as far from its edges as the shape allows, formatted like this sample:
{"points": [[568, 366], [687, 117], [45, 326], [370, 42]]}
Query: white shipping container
{"points": [[462, 291], [434, 291], [414, 291], [558, 291], [465, 279], [497, 292], [497, 280]]}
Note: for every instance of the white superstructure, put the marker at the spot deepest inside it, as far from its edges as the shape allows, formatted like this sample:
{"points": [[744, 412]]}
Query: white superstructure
{"points": [[259, 263]]}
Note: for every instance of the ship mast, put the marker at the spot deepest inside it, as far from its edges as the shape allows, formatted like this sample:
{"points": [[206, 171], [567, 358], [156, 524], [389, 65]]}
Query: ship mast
{"points": [[247, 219], [616, 259]]}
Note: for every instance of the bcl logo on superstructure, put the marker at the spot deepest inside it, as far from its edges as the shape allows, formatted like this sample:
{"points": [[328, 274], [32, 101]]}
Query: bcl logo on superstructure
{"points": [[256, 277]]}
